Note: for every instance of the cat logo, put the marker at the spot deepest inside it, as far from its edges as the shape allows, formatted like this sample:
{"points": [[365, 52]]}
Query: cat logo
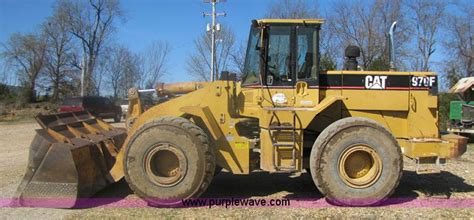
{"points": [[375, 82]]}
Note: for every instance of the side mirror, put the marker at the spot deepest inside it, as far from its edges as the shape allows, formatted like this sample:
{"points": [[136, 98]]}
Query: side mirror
{"points": [[254, 23], [259, 43]]}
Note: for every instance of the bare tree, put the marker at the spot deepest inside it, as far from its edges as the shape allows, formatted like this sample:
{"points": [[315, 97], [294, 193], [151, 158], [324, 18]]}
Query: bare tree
{"points": [[459, 39], [293, 9], [328, 47], [237, 58], [100, 70], [123, 71], [154, 63], [92, 23], [115, 69], [132, 73], [26, 52], [365, 25], [231, 57], [199, 63], [391, 11], [427, 17], [59, 54], [6, 76]]}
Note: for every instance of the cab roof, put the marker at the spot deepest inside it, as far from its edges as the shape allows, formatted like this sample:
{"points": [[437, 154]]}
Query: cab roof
{"points": [[291, 21]]}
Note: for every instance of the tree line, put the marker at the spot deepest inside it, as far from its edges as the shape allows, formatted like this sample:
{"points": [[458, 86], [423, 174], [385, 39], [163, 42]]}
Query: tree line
{"points": [[424, 27], [77, 39]]}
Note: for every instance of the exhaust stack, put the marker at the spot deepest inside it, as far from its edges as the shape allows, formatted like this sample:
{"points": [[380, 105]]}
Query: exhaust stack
{"points": [[391, 46]]}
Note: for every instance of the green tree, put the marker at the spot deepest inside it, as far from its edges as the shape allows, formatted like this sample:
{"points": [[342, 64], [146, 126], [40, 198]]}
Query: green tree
{"points": [[327, 63], [444, 101], [379, 64]]}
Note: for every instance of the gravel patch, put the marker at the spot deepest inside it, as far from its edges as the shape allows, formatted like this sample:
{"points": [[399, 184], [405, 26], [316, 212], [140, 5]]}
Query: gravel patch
{"points": [[456, 182]]}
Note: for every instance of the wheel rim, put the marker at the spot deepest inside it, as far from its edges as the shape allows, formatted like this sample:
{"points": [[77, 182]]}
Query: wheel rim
{"points": [[165, 165], [360, 166]]}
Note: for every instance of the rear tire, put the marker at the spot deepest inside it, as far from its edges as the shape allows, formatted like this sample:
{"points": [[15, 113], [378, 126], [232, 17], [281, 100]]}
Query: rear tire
{"points": [[356, 162], [167, 160]]}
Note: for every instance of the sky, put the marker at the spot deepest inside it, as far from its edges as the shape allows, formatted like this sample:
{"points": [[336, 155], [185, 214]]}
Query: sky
{"points": [[177, 21]]}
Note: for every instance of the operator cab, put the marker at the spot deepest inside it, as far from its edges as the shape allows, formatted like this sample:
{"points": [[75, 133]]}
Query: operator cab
{"points": [[282, 52]]}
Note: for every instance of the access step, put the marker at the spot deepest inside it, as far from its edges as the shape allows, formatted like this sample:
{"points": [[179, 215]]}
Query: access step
{"points": [[283, 145], [281, 127]]}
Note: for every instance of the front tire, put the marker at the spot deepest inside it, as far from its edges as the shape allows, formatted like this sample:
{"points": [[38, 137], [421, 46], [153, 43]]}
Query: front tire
{"points": [[356, 162], [167, 160]]}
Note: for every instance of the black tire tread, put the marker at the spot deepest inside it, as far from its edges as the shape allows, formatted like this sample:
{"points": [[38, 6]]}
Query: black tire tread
{"points": [[331, 131], [194, 130]]}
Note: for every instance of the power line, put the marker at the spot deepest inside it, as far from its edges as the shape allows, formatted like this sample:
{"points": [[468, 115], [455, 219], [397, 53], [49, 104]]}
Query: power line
{"points": [[214, 27]]}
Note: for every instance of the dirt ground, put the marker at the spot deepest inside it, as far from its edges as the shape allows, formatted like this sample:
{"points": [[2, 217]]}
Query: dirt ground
{"points": [[456, 182]]}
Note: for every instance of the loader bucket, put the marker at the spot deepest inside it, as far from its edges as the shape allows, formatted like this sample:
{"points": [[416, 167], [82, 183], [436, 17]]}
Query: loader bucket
{"points": [[70, 158]]}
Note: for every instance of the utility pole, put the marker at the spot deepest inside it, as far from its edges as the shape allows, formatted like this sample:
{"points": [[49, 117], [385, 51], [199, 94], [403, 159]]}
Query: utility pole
{"points": [[214, 27]]}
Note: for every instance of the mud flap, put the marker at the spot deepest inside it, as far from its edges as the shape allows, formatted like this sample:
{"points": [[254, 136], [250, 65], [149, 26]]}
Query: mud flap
{"points": [[70, 158]]}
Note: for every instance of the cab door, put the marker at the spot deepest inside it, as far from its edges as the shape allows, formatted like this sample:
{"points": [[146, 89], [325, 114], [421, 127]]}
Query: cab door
{"points": [[307, 70], [279, 70], [280, 136]]}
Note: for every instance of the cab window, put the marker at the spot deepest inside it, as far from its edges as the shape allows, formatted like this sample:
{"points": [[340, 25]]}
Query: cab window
{"points": [[306, 53], [252, 59], [279, 56]]}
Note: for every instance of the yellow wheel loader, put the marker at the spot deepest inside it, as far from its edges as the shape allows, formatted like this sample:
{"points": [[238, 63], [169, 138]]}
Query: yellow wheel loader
{"points": [[350, 129]]}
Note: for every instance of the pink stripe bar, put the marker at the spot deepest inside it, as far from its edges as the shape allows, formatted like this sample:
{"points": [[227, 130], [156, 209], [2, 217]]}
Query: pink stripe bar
{"points": [[220, 202]]}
